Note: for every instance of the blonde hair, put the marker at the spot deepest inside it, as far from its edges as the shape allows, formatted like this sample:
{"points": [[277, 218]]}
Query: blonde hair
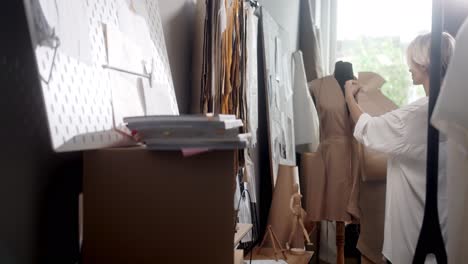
{"points": [[419, 51]]}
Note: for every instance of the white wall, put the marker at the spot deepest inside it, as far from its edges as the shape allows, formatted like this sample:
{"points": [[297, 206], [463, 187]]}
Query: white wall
{"points": [[286, 14], [178, 18]]}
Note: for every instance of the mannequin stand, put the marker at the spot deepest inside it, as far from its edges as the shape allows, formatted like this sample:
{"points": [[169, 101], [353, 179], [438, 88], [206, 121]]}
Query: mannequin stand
{"points": [[340, 242], [274, 241]]}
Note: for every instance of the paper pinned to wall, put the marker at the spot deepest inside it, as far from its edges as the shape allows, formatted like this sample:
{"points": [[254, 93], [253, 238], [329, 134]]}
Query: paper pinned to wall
{"points": [[286, 59], [122, 52], [134, 26], [278, 59], [158, 99], [134, 96], [66, 17], [276, 95], [271, 102], [126, 100], [287, 133], [290, 147]]}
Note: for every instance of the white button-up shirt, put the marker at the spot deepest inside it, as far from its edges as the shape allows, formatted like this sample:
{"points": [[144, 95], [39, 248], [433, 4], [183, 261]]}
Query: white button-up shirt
{"points": [[402, 134]]}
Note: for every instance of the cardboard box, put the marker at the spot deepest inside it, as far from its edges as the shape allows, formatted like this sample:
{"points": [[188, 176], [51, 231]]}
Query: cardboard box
{"points": [[158, 207]]}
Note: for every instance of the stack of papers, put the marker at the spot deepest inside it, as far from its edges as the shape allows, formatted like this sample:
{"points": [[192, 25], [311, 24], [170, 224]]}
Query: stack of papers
{"points": [[189, 131]]}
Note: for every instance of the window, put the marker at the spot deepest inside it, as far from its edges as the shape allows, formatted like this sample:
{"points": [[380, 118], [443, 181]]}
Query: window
{"points": [[373, 35]]}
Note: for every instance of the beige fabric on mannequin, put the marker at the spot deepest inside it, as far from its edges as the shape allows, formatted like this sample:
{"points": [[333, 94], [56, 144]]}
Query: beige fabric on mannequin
{"points": [[312, 165], [337, 151]]}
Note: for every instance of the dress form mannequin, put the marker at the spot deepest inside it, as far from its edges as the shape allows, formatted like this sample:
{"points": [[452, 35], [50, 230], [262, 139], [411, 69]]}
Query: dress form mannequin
{"points": [[343, 72], [338, 152]]}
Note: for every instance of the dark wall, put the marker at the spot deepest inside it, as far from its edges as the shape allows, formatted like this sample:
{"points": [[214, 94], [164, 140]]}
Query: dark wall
{"points": [[455, 12], [178, 20], [38, 188]]}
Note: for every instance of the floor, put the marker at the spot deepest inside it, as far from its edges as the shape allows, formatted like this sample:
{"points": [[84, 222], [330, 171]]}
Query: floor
{"points": [[268, 253]]}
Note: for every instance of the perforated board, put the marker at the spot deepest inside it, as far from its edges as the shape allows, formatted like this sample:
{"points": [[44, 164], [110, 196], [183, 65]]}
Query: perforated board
{"points": [[278, 66], [78, 97]]}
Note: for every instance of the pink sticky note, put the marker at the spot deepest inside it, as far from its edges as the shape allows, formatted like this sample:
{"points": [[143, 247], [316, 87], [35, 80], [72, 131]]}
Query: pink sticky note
{"points": [[193, 151]]}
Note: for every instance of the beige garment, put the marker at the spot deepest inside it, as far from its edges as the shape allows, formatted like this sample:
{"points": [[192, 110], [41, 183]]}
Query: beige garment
{"points": [[373, 171], [334, 195], [312, 164]]}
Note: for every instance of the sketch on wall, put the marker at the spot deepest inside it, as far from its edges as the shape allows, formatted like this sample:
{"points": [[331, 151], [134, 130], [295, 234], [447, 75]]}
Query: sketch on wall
{"points": [[278, 67]]}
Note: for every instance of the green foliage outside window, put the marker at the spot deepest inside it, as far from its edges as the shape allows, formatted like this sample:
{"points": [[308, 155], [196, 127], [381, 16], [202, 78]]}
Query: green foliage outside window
{"points": [[385, 56]]}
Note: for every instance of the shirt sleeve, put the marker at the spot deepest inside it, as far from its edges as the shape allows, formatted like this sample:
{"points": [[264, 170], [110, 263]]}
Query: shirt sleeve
{"points": [[396, 133], [383, 133]]}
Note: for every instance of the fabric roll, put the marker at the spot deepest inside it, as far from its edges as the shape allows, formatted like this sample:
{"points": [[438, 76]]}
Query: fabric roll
{"points": [[281, 217], [372, 205], [373, 171], [374, 102]]}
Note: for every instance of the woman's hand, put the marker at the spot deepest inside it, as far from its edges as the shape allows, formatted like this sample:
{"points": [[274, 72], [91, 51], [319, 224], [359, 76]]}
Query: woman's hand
{"points": [[352, 88]]}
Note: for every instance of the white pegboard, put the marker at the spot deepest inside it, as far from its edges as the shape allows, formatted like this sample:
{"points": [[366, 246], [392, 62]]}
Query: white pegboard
{"points": [[78, 96]]}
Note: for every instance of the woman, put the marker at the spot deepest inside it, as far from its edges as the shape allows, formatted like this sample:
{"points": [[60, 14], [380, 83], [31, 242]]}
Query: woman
{"points": [[402, 135]]}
